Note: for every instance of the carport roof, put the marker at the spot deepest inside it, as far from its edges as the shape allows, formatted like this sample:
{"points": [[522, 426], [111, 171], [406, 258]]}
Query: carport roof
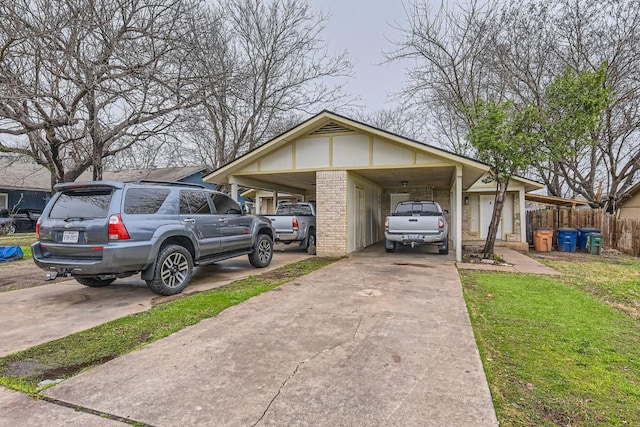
{"points": [[472, 169]]}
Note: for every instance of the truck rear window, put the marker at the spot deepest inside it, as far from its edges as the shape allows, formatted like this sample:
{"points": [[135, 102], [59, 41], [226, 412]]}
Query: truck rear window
{"points": [[84, 204], [423, 209], [301, 210]]}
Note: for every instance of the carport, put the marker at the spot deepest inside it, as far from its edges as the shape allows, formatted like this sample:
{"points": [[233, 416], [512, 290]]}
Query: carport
{"points": [[355, 173]]}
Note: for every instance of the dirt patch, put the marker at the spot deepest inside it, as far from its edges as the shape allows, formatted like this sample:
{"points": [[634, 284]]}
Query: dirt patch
{"points": [[610, 256], [22, 274]]}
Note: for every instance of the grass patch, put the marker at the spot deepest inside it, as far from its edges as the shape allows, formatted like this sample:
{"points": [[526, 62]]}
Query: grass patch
{"points": [[554, 354], [615, 281], [20, 239], [65, 357]]}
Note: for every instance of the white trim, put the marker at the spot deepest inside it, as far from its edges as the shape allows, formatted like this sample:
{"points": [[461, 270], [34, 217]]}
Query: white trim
{"points": [[458, 217]]}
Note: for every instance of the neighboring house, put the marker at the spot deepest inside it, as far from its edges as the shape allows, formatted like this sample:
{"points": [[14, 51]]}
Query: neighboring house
{"points": [[630, 206], [191, 174], [23, 184], [357, 173]]}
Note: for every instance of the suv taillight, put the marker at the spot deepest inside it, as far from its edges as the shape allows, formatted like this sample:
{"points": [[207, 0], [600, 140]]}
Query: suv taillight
{"points": [[294, 224], [38, 228], [440, 223], [386, 224], [117, 230]]}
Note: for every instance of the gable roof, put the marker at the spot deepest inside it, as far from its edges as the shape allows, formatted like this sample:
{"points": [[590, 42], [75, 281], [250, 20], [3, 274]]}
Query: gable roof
{"points": [[328, 122]]}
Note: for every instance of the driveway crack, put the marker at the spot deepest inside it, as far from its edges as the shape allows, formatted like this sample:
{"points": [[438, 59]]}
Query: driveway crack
{"points": [[297, 369]]}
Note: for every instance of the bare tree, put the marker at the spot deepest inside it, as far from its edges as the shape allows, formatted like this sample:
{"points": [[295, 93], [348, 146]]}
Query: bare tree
{"points": [[512, 51], [83, 80], [262, 65]]}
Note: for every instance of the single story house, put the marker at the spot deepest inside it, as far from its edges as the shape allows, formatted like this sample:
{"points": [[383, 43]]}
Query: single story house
{"points": [[630, 206], [25, 184], [357, 173]]}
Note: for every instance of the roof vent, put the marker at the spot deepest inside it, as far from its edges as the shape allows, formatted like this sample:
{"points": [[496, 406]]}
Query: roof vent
{"points": [[329, 128]]}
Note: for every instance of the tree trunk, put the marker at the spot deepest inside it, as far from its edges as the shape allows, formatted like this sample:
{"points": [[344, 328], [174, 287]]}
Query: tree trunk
{"points": [[501, 191]]}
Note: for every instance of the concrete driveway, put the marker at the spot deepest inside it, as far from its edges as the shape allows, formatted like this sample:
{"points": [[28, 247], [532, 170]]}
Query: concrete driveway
{"points": [[375, 339], [36, 315]]}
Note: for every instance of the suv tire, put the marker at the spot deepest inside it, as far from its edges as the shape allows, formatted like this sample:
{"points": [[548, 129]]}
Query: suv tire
{"points": [[172, 271], [262, 251], [94, 282], [444, 249]]}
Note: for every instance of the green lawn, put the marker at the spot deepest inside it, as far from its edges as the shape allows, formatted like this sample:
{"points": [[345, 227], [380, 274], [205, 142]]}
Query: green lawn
{"points": [[554, 353]]}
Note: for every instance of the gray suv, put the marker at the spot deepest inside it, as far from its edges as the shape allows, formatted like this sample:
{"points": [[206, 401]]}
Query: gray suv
{"points": [[98, 231]]}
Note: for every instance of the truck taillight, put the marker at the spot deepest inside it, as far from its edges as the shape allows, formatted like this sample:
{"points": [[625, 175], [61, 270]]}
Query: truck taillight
{"points": [[38, 228], [117, 230], [441, 224], [386, 224], [294, 223]]}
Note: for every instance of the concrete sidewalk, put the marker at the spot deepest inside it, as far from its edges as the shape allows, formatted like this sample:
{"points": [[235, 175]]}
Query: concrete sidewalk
{"points": [[369, 340], [519, 263]]}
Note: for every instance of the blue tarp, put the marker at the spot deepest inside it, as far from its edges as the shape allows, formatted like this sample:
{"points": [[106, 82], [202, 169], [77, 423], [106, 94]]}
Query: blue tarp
{"points": [[10, 253]]}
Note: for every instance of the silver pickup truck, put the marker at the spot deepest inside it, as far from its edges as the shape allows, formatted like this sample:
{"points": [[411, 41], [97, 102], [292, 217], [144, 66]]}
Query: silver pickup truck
{"points": [[417, 223], [295, 222]]}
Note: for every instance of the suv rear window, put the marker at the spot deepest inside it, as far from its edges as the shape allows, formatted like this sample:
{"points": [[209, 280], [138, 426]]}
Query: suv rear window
{"points": [[144, 201], [83, 204]]}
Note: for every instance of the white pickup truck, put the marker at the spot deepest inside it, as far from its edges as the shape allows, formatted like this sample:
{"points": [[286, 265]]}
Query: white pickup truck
{"points": [[295, 222], [417, 223]]}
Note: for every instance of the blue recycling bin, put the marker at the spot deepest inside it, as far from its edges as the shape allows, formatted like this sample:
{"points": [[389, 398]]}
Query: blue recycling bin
{"points": [[583, 237], [567, 239]]}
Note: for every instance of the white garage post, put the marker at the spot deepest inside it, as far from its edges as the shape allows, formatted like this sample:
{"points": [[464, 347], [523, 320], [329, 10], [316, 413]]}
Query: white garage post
{"points": [[458, 217], [234, 189], [523, 216]]}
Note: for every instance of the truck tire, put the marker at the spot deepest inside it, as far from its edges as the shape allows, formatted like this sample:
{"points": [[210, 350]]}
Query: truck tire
{"points": [[444, 250], [310, 240], [94, 282], [262, 252], [390, 246], [172, 271]]}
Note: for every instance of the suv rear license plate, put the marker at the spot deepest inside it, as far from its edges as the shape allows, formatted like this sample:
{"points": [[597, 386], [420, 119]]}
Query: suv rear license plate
{"points": [[414, 237], [70, 236]]}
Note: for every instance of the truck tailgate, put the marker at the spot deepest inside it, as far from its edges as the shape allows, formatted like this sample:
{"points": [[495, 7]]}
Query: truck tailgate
{"points": [[413, 224]]}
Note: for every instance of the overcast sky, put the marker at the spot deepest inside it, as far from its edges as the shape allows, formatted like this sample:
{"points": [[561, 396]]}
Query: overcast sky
{"points": [[362, 27]]}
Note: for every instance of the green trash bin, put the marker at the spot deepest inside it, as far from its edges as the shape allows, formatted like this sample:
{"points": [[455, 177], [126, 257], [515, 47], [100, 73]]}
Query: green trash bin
{"points": [[594, 243]]}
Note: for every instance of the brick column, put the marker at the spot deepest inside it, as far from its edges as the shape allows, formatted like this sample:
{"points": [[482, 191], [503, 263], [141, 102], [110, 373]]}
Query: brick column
{"points": [[331, 221]]}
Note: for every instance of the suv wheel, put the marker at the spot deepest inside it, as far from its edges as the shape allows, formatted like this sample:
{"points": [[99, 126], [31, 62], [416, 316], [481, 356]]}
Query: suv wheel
{"points": [[172, 271], [262, 251], [94, 282]]}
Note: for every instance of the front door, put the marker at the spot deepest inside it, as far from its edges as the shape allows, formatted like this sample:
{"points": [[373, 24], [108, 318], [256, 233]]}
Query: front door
{"points": [[486, 212]]}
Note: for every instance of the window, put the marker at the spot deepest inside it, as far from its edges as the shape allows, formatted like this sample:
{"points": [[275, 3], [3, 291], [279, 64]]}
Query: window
{"points": [[144, 201], [422, 209], [83, 204], [194, 202], [225, 204], [4, 200]]}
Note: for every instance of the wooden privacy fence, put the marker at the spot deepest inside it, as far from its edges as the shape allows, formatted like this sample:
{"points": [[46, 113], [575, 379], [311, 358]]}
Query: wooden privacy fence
{"points": [[622, 234]]}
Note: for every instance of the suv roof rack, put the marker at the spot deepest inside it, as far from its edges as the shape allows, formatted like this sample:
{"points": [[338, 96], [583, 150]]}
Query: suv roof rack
{"points": [[176, 183]]}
